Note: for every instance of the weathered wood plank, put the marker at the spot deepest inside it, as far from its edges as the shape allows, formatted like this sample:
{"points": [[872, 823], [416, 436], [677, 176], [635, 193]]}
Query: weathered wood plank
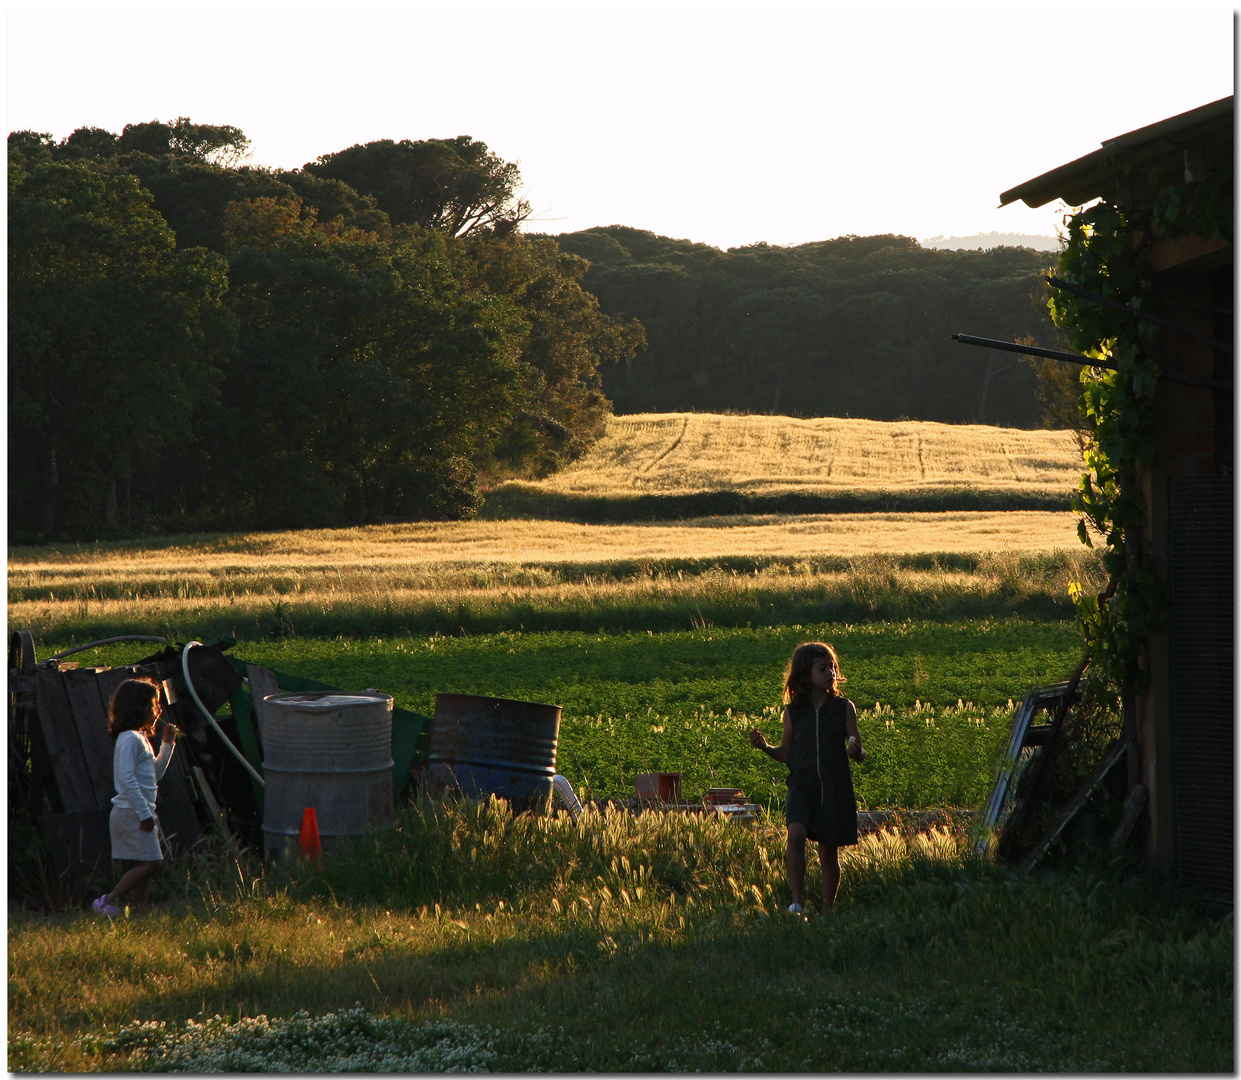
{"points": [[1133, 808], [216, 813], [175, 806], [90, 715], [262, 683], [109, 680], [73, 779], [81, 847]]}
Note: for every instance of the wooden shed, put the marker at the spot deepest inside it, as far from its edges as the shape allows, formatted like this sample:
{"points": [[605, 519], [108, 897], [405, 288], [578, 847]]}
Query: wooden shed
{"points": [[1185, 719]]}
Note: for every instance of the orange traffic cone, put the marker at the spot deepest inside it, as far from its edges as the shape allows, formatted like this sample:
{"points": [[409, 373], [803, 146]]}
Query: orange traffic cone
{"points": [[311, 845]]}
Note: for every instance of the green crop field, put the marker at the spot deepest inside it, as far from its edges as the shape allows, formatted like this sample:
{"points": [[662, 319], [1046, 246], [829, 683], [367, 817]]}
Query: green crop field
{"points": [[934, 698]]}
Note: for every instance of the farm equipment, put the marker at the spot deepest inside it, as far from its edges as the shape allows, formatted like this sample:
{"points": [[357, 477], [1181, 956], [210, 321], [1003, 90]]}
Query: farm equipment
{"points": [[60, 752]]}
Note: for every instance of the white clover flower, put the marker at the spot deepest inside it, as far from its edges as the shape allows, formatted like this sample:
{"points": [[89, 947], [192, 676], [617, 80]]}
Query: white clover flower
{"points": [[348, 1041]]}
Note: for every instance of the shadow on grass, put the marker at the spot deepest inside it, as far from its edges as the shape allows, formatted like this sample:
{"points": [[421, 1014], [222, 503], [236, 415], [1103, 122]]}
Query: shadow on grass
{"points": [[509, 503], [923, 968]]}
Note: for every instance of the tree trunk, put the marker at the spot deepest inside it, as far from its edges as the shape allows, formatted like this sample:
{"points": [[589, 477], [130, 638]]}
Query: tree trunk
{"points": [[48, 516], [986, 385]]}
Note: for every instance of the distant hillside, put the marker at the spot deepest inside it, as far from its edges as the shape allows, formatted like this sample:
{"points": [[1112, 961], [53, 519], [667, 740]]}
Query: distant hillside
{"points": [[984, 241], [688, 464], [858, 326]]}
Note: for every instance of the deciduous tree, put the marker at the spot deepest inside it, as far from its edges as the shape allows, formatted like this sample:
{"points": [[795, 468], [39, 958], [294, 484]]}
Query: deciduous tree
{"points": [[369, 377], [211, 143], [857, 325], [565, 342], [456, 186], [115, 340]]}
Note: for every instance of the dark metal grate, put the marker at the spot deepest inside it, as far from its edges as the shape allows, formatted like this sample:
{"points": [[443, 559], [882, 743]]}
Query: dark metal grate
{"points": [[1200, 548]]}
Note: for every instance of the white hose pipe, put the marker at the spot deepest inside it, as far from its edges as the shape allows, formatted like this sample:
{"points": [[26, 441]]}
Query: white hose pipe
{"points": [[564, 789], [185, 671]]}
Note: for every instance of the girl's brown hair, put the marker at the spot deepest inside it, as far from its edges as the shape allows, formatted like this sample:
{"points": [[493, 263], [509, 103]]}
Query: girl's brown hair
{"points": [[797, 674], [135, 707]]}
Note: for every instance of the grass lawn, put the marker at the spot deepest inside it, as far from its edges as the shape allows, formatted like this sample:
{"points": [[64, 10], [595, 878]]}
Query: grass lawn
{"points": [[468, 939]]}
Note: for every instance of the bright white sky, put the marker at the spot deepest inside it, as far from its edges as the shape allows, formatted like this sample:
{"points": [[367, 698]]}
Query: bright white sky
{"points": [[723, 125]]}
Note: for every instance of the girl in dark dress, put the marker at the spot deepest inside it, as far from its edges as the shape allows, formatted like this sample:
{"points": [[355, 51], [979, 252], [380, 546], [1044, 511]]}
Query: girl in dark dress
{"points": [[820, 729]]}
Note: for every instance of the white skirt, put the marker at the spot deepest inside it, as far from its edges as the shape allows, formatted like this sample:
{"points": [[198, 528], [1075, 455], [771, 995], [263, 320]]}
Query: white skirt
{"points": [[128, 839]]}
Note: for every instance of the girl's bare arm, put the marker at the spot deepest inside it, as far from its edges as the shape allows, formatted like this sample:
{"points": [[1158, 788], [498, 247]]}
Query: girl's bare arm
{"points": [[779, 753], [852, 748]]}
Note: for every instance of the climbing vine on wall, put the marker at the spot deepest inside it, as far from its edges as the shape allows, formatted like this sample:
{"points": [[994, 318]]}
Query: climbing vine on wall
{"points": [[1103, 253]]}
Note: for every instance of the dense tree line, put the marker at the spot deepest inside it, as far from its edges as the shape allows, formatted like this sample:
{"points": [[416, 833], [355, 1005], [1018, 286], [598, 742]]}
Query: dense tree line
{"points": [[194, 343], [857, 326]]}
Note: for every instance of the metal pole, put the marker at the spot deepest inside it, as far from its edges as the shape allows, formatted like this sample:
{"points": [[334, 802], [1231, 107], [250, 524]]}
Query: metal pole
{"points": [[1083, 361], [107, 641], [1034, 350]]}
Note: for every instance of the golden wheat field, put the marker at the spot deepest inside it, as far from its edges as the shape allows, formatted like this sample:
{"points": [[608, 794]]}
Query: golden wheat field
{"points": [[678, 453], [493, 564], [423, 554]]}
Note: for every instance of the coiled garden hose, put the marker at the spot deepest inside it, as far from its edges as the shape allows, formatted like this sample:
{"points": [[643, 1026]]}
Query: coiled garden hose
{"points": [[189, 685], [564, 789]]}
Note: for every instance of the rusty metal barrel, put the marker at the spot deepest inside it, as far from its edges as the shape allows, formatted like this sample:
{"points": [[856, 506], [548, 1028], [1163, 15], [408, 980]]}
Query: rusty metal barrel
{"points": [[331, 750], [483, 746]]}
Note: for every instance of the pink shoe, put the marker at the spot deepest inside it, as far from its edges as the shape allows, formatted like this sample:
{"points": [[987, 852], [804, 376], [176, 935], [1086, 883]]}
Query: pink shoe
{"points": [[102, 907]]}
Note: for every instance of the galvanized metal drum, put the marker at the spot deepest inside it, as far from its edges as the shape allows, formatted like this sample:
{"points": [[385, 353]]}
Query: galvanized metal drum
{"points": [[330, 750], [482, 746]]}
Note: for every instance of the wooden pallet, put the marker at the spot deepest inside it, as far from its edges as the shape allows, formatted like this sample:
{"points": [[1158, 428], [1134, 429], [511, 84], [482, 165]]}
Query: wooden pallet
{"points": [[60, 711]]}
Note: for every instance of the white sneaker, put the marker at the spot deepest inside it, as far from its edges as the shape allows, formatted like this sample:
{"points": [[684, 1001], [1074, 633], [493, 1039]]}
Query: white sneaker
{"points": [[794, 909]]}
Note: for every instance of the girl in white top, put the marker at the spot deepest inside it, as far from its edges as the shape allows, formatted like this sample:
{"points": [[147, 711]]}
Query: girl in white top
{"points": [[135, 773]]}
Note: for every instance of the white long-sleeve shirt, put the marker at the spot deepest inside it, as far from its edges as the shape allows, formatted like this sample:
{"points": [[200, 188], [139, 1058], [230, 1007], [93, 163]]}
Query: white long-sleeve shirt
{"points": [[136, 771]]}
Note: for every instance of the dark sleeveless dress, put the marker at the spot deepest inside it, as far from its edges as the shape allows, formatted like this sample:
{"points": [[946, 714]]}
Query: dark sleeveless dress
{"points": [[820, 786]]}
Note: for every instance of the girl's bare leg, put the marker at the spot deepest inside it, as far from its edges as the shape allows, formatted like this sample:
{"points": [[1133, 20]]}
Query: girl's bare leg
{"points": [[136, 880], [830, 862], [141, 894], [795, 861]]}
